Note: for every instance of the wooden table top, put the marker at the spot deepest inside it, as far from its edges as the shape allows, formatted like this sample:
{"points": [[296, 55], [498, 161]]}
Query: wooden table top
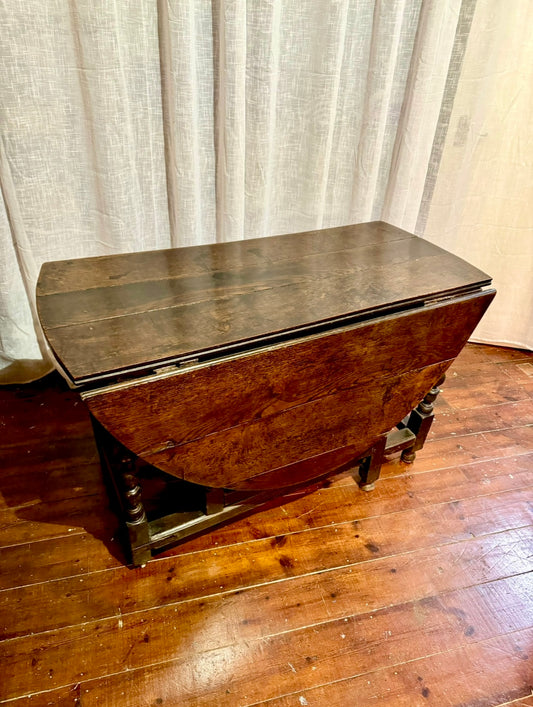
{"points": [[119, 313]]}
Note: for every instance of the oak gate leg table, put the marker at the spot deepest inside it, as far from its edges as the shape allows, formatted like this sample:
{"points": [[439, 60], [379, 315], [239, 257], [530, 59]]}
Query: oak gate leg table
{"points": [[220, 377]]}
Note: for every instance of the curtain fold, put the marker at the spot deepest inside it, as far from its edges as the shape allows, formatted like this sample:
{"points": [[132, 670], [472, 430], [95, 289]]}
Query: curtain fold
{"points": [[186, 54], [133, 126], [481, 206]]}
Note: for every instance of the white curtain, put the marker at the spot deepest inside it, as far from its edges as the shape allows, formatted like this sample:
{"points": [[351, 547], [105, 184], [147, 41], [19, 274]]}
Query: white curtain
{"points": [[481, 206], [129, 126]]}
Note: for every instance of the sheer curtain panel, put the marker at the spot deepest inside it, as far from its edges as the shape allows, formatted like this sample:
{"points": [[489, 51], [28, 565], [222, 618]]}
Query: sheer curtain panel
{"points": [[132, 126]]}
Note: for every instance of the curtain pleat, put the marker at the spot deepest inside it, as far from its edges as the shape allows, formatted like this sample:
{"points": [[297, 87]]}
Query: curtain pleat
{"points": [[187, 70], [481, 206], [420, 112], [230, 30]]}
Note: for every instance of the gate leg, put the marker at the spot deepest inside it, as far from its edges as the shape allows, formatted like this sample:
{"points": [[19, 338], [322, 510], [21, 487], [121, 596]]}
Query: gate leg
{"points": [[370, 465], [420, 421]]}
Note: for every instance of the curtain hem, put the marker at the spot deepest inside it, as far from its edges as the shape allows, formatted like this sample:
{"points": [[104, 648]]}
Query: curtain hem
{"points": [[502, 342]]}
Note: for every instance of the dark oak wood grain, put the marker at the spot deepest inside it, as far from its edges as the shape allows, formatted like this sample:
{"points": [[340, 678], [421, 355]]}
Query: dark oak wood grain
{"points": [[75, 275], [266, 382], [256, 366], [242, 456], [224, 424], [113, 314]]}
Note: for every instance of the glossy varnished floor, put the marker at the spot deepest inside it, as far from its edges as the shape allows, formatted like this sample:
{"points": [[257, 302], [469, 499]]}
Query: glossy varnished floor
{"points": [[415, 594]]}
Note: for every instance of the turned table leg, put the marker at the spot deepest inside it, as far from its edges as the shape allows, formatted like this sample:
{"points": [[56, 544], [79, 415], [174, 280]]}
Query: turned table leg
{"points": [[135, 515], [420, 421], [119, 468]]}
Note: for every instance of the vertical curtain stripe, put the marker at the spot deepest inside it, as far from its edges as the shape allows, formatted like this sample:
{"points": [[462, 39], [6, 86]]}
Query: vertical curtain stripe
{"points": [[230, 119], [88, 114], [332, 115], [272, 108], [454, 71], [384, 106], [21, 245], [197, 190], [168, 101]]}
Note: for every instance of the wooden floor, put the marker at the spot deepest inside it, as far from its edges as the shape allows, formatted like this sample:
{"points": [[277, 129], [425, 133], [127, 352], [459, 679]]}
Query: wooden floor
{"points": [[415, 594]]}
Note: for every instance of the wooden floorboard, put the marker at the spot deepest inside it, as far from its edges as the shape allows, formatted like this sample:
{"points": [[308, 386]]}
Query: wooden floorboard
{"points": [[419, 593]]}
